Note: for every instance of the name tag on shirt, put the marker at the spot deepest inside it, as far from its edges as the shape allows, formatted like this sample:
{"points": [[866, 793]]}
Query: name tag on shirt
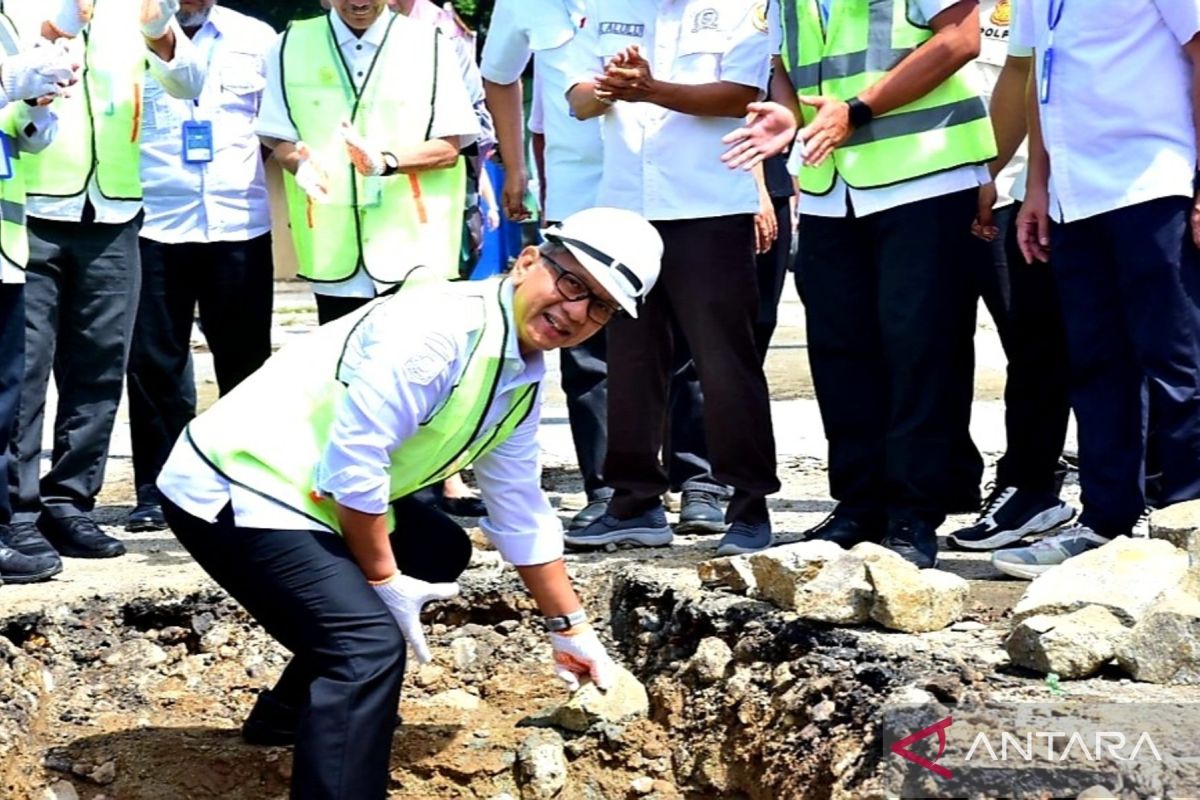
{"points": [[7, 149], [197, 142]]}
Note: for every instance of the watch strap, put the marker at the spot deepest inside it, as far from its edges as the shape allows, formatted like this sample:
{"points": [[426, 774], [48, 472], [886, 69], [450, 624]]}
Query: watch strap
{"points": [[860, 113], [562, 622]]}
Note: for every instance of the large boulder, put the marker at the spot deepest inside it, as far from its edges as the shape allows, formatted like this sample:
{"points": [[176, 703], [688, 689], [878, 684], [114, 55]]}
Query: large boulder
{"points": [[910, 599], [1125, 576], [1164, 646], [1074, 645]]}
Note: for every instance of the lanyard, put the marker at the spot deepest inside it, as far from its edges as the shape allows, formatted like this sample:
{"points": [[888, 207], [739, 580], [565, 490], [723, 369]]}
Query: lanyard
{"points": [[1054, 13]]}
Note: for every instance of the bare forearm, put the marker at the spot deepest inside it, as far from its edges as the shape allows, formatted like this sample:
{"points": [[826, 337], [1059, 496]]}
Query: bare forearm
{"points": [[284, 152], [954, 44], [1008, 111], [781, 89], [164, 46], [367, 537], [720, 99], [429, 155], [1039, 159], [504, 100], [584, 104], [551, 588]]}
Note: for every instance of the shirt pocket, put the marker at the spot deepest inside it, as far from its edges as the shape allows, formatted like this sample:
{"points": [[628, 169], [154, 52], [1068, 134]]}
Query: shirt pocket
{"points": [[242, 81], [699, 56], [1098, 16], [550, 33]]}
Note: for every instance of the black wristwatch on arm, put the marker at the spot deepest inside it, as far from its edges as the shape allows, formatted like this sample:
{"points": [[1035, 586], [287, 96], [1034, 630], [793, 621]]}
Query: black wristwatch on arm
{"points": [[860, 113], [563, 622]]}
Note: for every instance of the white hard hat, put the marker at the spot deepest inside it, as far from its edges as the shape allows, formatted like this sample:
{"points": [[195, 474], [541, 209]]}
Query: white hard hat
{"points": [[619, 248]]}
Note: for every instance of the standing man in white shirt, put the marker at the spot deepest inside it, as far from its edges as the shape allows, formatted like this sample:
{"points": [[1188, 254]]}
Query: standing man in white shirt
{"points": [[206, 239], [38, 74], [85, 209], [1024, 305], [1112, 162], [669, 80], [368, 128]]}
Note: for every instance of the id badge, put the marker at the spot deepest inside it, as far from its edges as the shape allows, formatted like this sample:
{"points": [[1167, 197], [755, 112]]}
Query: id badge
{"points": [[197, 142], [7, 149]]}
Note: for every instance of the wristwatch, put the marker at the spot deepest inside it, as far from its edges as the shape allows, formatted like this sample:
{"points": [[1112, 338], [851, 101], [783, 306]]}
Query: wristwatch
{"points": [[564, 622], [391, 164], [860, 113]]}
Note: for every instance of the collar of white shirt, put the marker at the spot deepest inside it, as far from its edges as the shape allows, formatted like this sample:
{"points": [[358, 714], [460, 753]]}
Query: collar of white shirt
{"points": [[372, 36]]}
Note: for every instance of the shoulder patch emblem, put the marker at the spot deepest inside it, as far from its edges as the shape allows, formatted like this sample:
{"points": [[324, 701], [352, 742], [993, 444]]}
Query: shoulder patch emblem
{"points": [[759, 17], [423, 368]]}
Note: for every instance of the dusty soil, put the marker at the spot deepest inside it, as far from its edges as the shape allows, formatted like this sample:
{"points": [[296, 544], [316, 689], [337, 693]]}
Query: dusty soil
{"points": [[128, 679]]}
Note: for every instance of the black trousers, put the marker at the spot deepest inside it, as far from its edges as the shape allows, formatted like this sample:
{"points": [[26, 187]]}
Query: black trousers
{"points": [[232, 283], [80, 303], [1023, 302], [772, 271], [330, 308], [1133, 338], [890, 306], [12, 370], [708, 289], [306, 590]]}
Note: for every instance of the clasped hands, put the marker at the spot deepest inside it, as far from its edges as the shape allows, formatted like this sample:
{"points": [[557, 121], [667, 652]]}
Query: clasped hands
{"points": [[626, 77]]}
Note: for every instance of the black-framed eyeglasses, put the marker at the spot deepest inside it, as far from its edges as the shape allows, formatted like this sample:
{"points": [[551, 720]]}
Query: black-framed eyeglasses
{"points": [[572, 288]]}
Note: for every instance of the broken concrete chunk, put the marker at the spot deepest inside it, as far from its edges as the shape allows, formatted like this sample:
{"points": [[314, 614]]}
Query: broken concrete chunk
{"points": [[1164, 646], [1074, 645], [541, 766], [781, 571], [589, 706], [1180, 525], [1125, 576], [733, 573], [710, 661], [914, 600]]}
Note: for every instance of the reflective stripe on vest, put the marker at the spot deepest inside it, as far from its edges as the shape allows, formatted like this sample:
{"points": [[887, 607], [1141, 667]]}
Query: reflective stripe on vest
{"points": [[14, 238], [387, 225], [99, 124], [945, 129], [270, 433]]}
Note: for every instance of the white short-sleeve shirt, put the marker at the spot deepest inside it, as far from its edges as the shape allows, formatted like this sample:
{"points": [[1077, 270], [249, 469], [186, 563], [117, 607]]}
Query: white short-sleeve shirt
{"points": [[660, 163], [1118, 123], [995, 46], [547, 31]]}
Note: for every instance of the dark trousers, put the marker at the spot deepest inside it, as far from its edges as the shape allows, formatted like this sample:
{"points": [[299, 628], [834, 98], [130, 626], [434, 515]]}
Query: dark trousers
{"points": [[1134, 346], [80, 303], [772, 270], [232, 283], [707, 288], [306, 590], [1023, 302], [12, 370], [330, 308], [890, 306]]}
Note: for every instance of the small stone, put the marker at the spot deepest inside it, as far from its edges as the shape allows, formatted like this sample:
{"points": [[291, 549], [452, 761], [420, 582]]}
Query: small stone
{"points": [[610, 548], [60, 790], [135, 654], [1074, 645], [465, 653], [458, 699], [507, 626], [541, 766], [588, 706], [710, 661], [105, 774], [1097, 793], [733, 572], [642, 785], [1178, 524], [822, 711], [1164, 646], [428, 674]]}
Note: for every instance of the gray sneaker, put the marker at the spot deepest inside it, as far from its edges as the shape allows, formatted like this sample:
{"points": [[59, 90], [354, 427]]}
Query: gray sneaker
{"points": [[745, 537], [1029, 562], [648, 529]]}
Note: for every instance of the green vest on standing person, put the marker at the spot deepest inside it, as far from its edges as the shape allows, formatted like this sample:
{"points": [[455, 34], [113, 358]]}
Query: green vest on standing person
{"points": [[276, 455], [14, 239], [369, 221], [100, 122], [861, 41]]}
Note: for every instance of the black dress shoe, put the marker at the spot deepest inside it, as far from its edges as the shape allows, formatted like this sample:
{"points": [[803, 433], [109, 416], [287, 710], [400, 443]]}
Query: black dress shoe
{"points": [[273, 723], [24, 537], [701, 512], [588, 514], [79, 537], [463, 506], [914, 539], [146, 517], [19, 568], [844, 531]]}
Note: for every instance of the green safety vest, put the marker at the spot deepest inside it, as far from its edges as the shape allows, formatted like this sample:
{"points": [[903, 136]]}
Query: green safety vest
{"points": [[14, 240], [270, 433], [386, 225], [945, 129], [100, 124]]}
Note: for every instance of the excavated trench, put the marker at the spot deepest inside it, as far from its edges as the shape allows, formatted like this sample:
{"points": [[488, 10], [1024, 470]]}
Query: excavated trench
{"points": [[141, 698]]}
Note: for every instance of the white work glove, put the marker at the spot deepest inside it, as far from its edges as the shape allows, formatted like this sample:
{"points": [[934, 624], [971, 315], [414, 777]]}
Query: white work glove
{"points": [[311, 176], [405, 596], [157, 16], [366, 158], [71, 16], [41, 71], [580, 654]]}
